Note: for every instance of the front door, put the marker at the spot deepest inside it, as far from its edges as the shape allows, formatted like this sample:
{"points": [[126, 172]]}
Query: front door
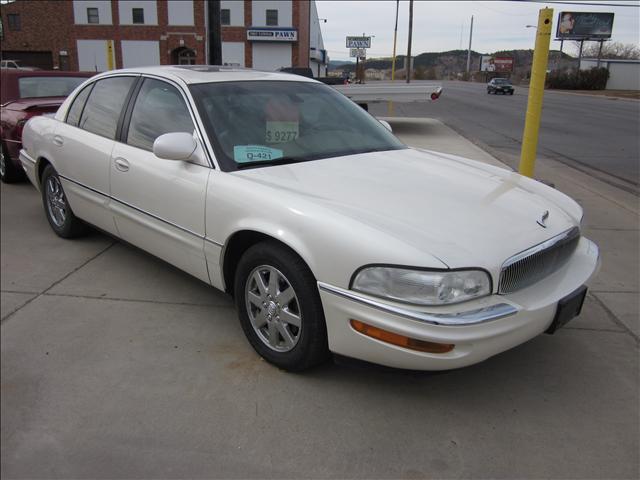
{"points": [[159, 204]]}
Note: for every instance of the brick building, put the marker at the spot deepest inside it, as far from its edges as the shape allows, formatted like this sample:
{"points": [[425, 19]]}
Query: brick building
{"points": [[102, 35]]}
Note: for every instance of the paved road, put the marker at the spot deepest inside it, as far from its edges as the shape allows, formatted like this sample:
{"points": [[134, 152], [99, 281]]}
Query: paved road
{"points": [[597, 135], [116, 365]]}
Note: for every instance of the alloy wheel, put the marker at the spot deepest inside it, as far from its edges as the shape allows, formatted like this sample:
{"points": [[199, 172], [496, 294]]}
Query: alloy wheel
{"points": [[3, 165], [56, 201], [273, 308]]}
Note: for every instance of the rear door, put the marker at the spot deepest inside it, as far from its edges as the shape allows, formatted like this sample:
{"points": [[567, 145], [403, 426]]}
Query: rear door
{"points": [[159, 204], [83, 145]]}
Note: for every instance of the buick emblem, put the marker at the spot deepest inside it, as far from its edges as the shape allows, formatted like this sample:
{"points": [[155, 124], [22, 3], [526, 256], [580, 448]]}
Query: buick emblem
{"points": [[543, 219]]}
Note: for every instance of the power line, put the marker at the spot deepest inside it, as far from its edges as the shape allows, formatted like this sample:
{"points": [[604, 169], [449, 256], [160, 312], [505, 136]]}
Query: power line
{"points": [[591, 4]]}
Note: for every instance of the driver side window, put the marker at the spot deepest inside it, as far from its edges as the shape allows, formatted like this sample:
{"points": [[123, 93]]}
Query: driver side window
{"points": [[159, 109]]}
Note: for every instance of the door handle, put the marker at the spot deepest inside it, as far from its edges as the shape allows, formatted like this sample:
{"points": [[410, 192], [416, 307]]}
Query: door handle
{"points": [[58, 140], [121, 164]]}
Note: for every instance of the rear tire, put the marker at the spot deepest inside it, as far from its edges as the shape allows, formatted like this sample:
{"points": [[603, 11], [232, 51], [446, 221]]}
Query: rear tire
{"points": [[279, 307], [56, 207], [9, 173]]}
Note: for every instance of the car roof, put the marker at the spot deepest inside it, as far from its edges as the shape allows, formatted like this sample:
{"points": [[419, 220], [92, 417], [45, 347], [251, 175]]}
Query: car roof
{"points": [[192, 74]]}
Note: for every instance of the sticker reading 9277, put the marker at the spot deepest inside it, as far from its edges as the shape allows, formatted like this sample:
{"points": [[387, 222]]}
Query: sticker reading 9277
{"points": [[281, 132], [255, 153]]}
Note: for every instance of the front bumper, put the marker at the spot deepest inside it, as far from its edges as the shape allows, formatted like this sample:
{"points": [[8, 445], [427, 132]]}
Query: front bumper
{"points": [[479, 329]]}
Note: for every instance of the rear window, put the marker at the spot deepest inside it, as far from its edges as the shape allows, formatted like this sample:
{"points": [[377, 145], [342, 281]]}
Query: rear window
{"points": [[104, 106], [35, 87]]}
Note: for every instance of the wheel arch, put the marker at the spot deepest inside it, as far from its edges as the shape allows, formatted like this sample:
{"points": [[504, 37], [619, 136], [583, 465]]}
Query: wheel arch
{"points": [[41, 164], [239, 242]]}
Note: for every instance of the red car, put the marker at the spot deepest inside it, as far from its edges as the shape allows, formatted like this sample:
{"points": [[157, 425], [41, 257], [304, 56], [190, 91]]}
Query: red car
{"points": [[25, 94]]}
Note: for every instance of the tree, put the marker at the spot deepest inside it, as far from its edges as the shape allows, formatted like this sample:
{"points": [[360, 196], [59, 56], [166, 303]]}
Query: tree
{"points": [[619, 50]]}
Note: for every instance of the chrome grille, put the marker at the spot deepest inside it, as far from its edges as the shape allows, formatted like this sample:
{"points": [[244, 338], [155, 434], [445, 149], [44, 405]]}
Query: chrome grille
{"points": [[536, 263]]}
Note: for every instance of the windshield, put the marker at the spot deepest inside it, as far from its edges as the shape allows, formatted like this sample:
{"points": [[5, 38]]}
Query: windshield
{"points": [[259, 123], [502, 81], [34, 87]]}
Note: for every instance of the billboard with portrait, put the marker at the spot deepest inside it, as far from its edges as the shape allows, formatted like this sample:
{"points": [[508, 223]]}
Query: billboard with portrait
{"points": [[584, 25]]}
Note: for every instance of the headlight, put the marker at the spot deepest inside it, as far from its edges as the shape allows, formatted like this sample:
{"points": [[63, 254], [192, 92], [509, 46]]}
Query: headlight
{"points": [[422, 287]]}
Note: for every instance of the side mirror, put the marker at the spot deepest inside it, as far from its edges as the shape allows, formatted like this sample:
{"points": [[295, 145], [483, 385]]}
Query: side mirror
{"points": [[386, 124], [175, 146]]}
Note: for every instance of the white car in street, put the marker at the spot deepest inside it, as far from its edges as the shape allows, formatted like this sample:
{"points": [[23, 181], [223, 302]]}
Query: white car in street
{"points": [[331, 235]]}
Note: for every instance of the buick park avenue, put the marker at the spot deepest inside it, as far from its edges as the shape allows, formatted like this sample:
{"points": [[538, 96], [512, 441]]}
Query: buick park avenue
{"points": [[330, 234]]}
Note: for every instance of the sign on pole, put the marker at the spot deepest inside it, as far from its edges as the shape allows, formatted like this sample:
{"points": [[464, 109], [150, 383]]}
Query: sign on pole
{"points": [[358, 42], [358, 52], [584, 25]]}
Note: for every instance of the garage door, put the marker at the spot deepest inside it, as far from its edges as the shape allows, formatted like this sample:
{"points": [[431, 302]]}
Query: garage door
{"points": [[43, 60], [271, 56]]}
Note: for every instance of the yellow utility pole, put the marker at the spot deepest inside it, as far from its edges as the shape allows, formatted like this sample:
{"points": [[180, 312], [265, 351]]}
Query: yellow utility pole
{"points": [[536, 93]]}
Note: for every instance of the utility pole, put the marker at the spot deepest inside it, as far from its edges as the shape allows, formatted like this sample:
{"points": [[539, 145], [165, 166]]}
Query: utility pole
{"points": [[409, 46], [215, 32], [469, 50], [393, 60], [395, 38]]}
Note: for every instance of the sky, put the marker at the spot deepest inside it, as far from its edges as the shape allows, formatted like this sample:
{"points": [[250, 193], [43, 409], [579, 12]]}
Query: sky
{"points": [[444, 25]]}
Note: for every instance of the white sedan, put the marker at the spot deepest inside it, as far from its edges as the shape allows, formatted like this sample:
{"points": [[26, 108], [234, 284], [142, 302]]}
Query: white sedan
{"points": [[331, 235]]}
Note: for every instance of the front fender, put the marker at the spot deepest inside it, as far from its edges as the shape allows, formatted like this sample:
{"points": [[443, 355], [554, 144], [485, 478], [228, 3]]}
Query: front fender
{"points": [[334, 246]]}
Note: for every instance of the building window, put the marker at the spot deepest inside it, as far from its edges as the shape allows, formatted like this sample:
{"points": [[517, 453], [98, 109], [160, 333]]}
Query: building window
{"points": [[14, 21], [272, 18], [225, 16], [137, 14], [92, 15]]}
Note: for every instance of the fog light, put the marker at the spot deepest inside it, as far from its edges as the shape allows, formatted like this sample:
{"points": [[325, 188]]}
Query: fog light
{"points": [[400, 340]]}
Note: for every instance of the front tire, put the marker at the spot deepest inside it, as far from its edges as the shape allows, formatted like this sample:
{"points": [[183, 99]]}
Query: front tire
{"points": [[279, 307], [9, 173], [56, 207]]}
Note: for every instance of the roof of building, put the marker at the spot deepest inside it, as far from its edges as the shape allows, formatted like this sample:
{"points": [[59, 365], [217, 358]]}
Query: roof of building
{"points": [[192, 74]]}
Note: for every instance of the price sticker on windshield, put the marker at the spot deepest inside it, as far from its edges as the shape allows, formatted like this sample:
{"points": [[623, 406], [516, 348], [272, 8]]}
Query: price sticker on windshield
{"points": [[255, 153], [281, 132]]}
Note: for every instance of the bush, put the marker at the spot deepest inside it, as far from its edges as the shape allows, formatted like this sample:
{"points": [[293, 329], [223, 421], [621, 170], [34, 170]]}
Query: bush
{"points": [[592, 79]]}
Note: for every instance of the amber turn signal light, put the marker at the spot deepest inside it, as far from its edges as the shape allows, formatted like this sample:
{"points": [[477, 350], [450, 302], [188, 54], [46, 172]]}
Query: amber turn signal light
{"points": [[400, 340]]}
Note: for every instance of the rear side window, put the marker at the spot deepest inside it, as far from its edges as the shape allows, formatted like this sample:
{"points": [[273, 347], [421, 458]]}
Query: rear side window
{"points": [[159, 109], [103, 108], [38, 87], [73, 117]]}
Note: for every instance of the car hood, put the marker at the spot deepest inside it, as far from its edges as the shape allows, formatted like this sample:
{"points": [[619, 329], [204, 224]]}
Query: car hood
{"points": [[462, 212]]}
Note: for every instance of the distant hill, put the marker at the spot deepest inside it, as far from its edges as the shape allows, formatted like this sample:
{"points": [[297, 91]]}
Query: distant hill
{"points": [[333, 64], [438, 65]]}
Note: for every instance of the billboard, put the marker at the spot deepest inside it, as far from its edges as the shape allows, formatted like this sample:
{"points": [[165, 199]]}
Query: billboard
{"points": [[489, 63], [358, 42], [584, 25]]}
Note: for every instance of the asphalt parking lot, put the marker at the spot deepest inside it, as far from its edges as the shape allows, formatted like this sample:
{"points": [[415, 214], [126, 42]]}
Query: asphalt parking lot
{"points": [[116, 365]]}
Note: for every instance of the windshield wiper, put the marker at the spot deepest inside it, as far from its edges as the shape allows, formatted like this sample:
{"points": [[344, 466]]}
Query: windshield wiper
{"points": [[275, 161]]}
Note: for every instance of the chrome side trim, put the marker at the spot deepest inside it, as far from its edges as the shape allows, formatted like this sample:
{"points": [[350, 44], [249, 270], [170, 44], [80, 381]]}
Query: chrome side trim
{"points": [[572, 232], [470, 317], [218, 244], [84, 186], [137, 209]]}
